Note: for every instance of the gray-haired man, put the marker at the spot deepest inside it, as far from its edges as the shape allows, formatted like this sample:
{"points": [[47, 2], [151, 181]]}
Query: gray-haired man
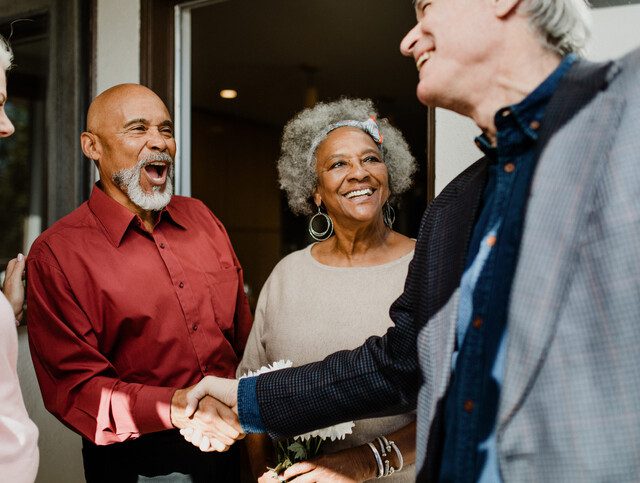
{"points": [[517, 334]]}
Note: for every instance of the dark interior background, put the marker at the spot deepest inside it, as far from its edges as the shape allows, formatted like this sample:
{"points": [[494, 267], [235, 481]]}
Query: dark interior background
{"points": [[281, 56]]}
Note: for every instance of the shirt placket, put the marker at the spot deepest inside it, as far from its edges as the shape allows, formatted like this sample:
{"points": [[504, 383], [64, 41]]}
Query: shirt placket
{"points": [[475, 338], [186, 297]]}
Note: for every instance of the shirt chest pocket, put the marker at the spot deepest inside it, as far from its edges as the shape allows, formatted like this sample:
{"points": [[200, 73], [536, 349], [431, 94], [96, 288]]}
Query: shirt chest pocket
{"points": [[223, 291]]}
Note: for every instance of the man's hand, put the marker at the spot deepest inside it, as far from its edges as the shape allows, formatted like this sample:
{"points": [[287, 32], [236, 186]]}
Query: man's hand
{"points": [[212, 426], [13, 288], [224, 390]]}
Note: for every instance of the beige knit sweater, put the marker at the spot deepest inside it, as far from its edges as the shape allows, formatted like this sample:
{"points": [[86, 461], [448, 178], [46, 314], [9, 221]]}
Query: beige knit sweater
{"points": [[307, 311]]}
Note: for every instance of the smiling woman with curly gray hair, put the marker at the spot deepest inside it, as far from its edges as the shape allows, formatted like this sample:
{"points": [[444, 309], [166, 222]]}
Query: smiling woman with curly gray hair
{"points": [[338, 161], [297, 171]]}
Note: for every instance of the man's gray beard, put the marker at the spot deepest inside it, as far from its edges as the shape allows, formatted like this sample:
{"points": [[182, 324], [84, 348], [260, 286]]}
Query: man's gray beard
{"points": [[128, 180]]}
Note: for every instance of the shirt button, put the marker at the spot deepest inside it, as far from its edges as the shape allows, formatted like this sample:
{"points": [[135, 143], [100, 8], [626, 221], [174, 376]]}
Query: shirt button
{"points": [[194, 327], [535, 125], [181, 285], [468, 405], [205, 368], [477, 323], [509, 168], [162, 245], [491, 240]]}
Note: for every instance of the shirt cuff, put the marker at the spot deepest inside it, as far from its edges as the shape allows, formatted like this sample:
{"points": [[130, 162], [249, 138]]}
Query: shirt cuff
{"points": [[153, 409], [248, 407]]}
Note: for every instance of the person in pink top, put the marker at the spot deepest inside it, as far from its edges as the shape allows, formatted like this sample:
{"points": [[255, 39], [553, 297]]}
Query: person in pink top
{"points": [[18, 434]]}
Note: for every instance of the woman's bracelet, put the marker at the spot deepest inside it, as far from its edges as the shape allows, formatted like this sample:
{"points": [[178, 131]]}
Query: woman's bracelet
{"points": [[398, 454], [382, 456], [379, 464]]}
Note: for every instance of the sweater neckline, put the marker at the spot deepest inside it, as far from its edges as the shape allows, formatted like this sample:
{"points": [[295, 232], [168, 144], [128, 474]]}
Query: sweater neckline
{"points": [[397, 261]]}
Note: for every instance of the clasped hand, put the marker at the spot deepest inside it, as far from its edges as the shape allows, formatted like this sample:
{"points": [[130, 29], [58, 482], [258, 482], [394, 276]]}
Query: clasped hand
{"points": [[207, 413]]}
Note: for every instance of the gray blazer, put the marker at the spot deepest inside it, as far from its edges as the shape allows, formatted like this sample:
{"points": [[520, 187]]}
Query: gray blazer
{"points": [[570, 404]]}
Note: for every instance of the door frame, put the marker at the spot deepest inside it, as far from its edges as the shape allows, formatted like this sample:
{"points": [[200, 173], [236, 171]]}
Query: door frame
{"points": [[164, 25]]}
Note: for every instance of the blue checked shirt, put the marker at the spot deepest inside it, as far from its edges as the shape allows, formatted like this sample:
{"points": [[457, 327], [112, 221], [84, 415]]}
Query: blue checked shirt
{"points": [[470, 451]]}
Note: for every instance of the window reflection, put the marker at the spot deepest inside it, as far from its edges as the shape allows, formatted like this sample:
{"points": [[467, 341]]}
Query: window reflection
{"points": [[23, 155]]}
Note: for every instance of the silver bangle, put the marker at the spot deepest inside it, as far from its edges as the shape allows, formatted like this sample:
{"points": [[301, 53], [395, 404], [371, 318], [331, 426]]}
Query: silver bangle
{"points": [[385, 441], [398, 454], [386, 447], [378, 440], [378, 460]]}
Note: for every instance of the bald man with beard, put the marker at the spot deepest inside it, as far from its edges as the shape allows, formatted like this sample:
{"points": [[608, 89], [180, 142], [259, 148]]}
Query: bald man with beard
{"points": [[134, 297]]}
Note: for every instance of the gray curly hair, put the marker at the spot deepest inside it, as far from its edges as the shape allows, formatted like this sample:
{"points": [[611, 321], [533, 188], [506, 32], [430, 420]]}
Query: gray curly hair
{"points": [[298, 177]]}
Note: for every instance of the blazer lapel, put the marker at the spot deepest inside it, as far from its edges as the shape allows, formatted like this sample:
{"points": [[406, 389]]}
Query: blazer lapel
{"points": [[571, 146]]}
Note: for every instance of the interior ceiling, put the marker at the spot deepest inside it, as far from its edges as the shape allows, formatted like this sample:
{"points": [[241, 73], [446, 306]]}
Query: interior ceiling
{"points": [[270, 51]]}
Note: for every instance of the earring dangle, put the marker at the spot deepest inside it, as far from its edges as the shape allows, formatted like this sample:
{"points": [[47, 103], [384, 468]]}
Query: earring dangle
{"points": [[327, 232], [388, 214]]}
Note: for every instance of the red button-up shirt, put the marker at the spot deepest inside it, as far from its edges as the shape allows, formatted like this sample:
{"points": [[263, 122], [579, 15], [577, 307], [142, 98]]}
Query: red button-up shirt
{"points": [[119, 318]]}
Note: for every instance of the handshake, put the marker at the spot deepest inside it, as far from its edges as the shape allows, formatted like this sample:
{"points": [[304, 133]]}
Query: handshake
{"points": [[207, 413]]}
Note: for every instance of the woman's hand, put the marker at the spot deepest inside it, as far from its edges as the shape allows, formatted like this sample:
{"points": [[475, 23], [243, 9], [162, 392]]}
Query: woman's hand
{"points": [[270, 477], [351, 465], [13, 287]]}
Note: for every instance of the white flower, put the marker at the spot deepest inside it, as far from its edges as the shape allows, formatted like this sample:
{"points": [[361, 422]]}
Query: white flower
{"points": [[338, 431], [281, 364]]}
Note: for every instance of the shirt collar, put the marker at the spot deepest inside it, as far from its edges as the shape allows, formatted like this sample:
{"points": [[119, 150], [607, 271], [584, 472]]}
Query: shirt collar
{"points": [[116, 218], [530, 111]]}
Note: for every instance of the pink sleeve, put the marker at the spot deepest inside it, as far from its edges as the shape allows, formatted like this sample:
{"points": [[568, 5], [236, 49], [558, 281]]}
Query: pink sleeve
{"points": [[18, 434]]}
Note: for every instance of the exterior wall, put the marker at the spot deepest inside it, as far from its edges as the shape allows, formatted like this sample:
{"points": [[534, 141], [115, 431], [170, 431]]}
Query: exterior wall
{"points": [[60, 448], [455, 149], [614, 33], [117, 43]]}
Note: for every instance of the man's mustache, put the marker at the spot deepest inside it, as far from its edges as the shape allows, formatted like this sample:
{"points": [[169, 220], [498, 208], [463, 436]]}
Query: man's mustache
{"points": [[155, 157]]}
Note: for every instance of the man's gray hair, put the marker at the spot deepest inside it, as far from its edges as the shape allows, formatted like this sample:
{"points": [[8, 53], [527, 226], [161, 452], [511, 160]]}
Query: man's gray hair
{"points": [[6, 54], [298, 178], [565, 25]]}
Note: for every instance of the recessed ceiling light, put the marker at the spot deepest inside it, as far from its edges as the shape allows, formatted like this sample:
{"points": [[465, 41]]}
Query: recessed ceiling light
{"points": [[228, 93]]}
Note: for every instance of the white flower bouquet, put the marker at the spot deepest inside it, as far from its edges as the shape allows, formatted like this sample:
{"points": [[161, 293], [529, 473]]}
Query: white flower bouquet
{"points": [[304, 446]]}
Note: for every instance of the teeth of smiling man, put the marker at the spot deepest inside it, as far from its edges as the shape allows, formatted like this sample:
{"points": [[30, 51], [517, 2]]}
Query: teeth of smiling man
{"points": [[422, 59], [353, 194]]}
